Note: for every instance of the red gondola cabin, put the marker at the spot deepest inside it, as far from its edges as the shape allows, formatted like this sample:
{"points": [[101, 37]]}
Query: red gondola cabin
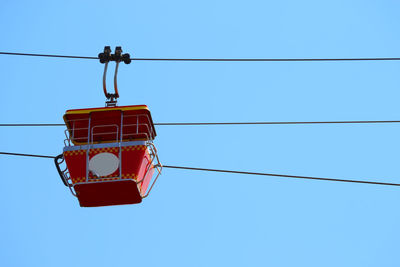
{"points": [[109, 154]]}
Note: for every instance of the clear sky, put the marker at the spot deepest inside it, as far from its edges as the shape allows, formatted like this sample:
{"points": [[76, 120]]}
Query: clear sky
{"points": [[198, 218]]}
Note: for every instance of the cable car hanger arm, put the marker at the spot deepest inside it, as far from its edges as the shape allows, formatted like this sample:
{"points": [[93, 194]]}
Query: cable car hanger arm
{"points": [[105, 58]]}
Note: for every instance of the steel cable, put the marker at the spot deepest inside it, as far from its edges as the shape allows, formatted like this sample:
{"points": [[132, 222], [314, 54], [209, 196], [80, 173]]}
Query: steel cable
{"points": [[237, 172], [218, 123], [214, 59]]}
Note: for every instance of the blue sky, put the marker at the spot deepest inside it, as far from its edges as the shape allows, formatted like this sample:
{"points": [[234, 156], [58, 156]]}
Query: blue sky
{"points": [[198, 218]]}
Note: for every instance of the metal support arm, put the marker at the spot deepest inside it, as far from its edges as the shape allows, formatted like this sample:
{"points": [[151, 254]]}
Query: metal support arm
{"points": [[105, 58]]}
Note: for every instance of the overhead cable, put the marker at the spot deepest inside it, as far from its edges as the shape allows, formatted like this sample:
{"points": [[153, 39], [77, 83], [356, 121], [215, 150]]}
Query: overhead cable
{"points": [[282, 175], [45, 55], [237, 172], [214, 59], [30, 124], [216, 123], [27, 155], [269, 122], [270, 59]]}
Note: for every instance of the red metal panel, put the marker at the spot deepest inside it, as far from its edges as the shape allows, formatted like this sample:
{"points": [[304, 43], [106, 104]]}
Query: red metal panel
{"points": [[76, 163], [146, 174], [103, 191], [108, 193], [132, 158]]}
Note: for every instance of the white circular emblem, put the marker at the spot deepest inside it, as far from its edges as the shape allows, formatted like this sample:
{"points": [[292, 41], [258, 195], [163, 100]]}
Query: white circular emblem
{"points": [[103, 164]]}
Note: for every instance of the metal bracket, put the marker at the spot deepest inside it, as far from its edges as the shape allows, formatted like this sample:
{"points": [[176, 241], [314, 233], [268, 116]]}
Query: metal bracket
{"points": [[64, 174], [105, 58], [58, 161]]}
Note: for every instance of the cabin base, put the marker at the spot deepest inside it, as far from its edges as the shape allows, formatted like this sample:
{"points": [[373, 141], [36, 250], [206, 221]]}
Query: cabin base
{"points": [[108, 193]]}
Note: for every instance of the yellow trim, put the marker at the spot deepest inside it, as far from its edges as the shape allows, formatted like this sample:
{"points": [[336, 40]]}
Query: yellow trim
{"points": [[104, 179], [104, 142], [132, 148], [75, 152], [86, 111], [103, 149]]}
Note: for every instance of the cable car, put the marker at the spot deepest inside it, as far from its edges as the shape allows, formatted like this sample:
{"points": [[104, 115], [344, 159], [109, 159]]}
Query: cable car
{"points": [[109, 154]]}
